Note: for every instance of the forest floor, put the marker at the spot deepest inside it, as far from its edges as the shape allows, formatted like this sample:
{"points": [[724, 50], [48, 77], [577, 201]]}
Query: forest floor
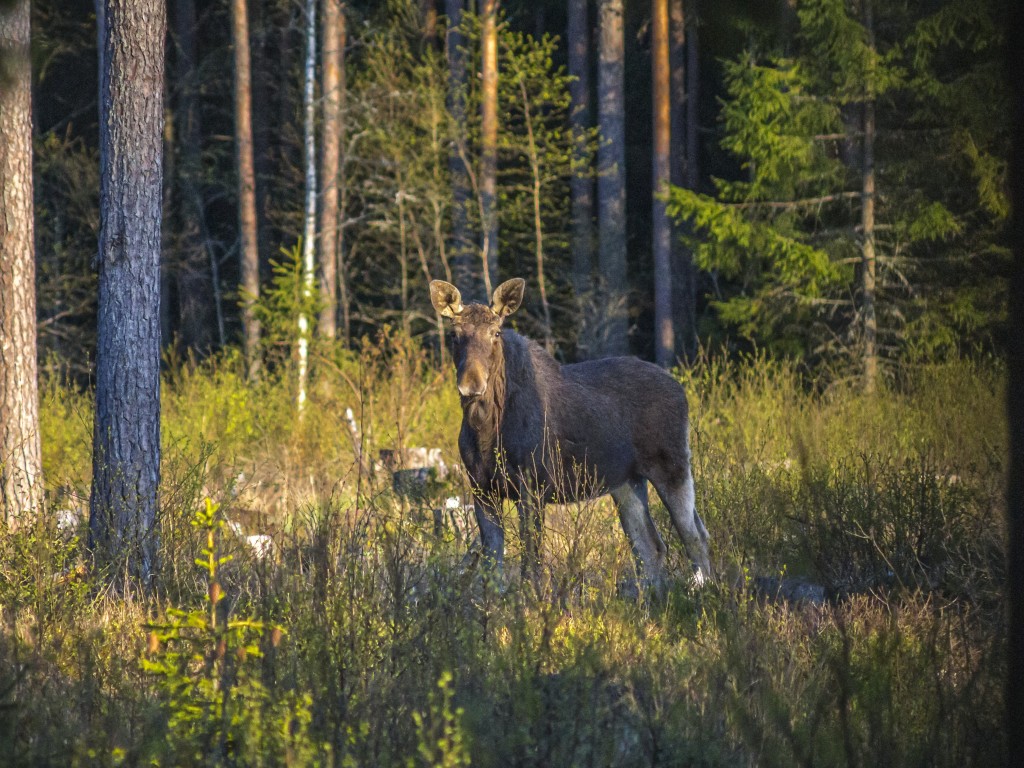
{"points": [[856, 617]]}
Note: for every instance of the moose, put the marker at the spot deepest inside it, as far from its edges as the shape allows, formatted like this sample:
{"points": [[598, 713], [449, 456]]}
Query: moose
{"points": [[537, 432]]}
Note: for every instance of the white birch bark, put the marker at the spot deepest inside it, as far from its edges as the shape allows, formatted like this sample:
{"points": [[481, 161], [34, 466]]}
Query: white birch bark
{"points": [[309, 228]]}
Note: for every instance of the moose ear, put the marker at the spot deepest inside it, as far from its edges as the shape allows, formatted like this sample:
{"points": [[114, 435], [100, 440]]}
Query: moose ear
{"points": [[446, 298], [508, 296]]}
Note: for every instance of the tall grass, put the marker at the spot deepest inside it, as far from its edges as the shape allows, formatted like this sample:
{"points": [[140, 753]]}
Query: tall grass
{"points": [[367, 638]]}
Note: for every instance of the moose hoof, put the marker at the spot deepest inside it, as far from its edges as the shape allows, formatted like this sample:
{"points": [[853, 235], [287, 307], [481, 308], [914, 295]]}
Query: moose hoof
{"points": [[699, 579]]}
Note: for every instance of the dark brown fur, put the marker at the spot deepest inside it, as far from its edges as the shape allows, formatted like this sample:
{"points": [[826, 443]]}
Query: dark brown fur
{"points": [[534, 431]]}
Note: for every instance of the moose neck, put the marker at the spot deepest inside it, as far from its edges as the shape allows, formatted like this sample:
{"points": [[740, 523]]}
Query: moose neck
{"points": [[485, 414]]}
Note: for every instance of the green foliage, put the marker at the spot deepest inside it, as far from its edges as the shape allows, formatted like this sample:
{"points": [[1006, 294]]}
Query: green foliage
{"points": [[788, 236], [218, 710], [401, 192], [439, 730], [279, 307]]}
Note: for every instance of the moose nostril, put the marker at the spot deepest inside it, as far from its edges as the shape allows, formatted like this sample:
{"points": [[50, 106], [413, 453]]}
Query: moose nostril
{"points": [[468, 388]]}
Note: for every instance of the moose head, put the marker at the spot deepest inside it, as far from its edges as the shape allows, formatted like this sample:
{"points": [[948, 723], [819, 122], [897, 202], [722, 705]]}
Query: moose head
{"points": [[477, 330]]}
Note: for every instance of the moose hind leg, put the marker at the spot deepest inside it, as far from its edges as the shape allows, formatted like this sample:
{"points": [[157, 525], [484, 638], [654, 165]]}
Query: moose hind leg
{"points": [[679, 497], [647, 545]]}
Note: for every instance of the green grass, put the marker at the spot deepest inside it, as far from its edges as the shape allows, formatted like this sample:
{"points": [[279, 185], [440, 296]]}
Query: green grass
{"points": [[368, 643]]}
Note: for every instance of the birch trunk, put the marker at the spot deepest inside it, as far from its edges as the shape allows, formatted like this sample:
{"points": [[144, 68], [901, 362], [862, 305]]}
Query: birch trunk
{"points": [[309, 228]]}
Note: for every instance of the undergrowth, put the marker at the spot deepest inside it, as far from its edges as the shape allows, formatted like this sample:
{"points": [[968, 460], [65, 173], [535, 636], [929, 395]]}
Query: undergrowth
{"points": [[359, 633]]}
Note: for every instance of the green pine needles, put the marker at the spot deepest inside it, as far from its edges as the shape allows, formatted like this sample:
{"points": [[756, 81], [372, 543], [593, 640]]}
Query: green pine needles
{"points": [[216, 705], [870, 200]]}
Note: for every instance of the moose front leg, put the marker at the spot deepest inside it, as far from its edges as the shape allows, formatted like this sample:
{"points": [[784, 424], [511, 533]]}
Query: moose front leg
{"points": [[531, 530], [492, 533]]}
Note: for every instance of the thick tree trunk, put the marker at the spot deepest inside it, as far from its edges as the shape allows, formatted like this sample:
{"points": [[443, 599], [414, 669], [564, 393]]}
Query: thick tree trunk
{"points": [[21, 481], [870, 352], [333, 49], [126, 441], [464, 270], [309, 227], [611, 180], [248, 243], [664, 340], [581, 186], [683, 160], [489, 143]]}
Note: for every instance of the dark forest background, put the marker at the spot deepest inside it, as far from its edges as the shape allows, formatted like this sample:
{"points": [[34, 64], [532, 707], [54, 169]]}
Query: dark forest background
{"points": [[777, 128]]}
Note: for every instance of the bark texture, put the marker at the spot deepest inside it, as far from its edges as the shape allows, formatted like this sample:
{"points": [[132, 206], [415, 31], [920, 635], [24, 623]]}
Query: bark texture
{"points": [[21, 486], [489, 143], [309, 227], [333, 47], [126, 440], [611, 180], [248, 242], [664, 339]]}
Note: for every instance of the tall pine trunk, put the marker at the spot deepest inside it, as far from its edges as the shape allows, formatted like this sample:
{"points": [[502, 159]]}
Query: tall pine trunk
{"points": [[333, 47], [21, 482], [248, 243], [870, 353], [664, 340], [581, 186], [126, 440], [683, 160], [611, 180], [489, 143], [309, 219]]}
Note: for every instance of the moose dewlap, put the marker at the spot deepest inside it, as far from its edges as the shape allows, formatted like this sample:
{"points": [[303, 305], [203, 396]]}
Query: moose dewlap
{"points": [[534, 431]]}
